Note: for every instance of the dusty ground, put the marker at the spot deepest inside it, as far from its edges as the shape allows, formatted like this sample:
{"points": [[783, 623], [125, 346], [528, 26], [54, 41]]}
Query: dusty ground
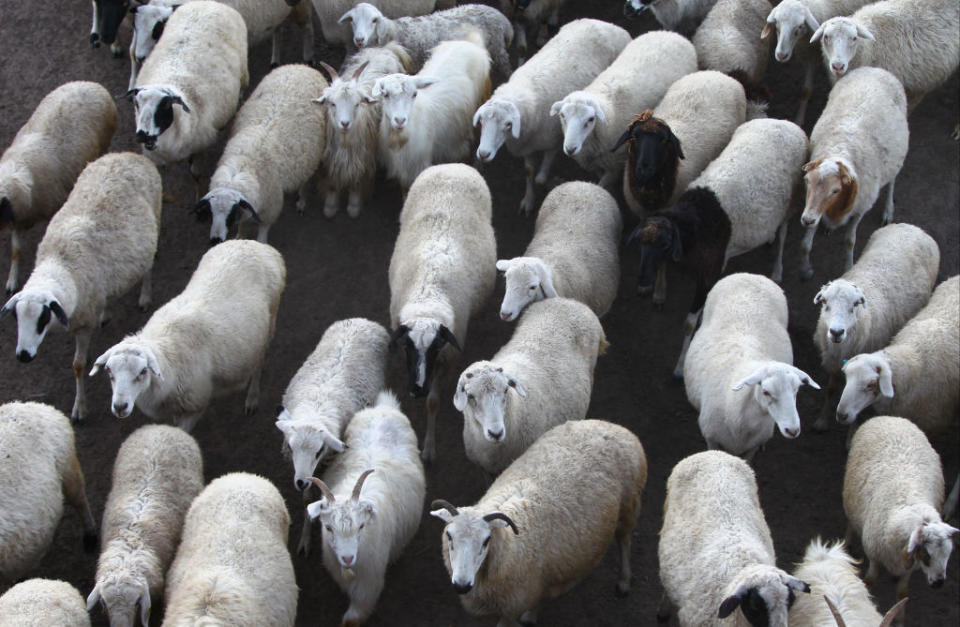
{"points": [[338, 268]]}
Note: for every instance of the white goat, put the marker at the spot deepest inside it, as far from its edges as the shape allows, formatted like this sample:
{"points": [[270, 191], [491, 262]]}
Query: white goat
{"points": [[273, 149], [533, 87], [95, 249], [678, 15], [71, 126], [715, 550], [892, 492], [232, 566], [421, 34], [208, 341], [915, 40], [417, 132], [158, 472], [353, 116], [592, 118], [362, 536], [744, 342], [200, 65], [38, 602], [39, 466], [574, 253], [857, 146], [549, 363], [861, 311], [337, 33], [573, 491]]}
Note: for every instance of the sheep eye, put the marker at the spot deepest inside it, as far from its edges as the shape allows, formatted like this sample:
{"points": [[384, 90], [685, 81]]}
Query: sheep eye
{"points": [[414, 95], [486, 542], [450, 539], [363, 525], [471, 398], [386, 96], [143, 372], [509, 125], [590, 120], [532, 287], [375, 20], [329, 528], [834, 192], [765, 393], [826, 308]]}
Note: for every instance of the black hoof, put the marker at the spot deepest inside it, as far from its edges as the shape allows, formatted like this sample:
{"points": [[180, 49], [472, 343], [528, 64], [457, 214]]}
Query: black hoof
{"points": [[116, 54], [9, 292], [76, 421], [94, 40], [620, 592], [274, 66], [91, 543]]}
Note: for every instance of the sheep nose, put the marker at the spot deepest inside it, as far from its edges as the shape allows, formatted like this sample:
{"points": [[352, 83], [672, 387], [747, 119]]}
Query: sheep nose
{"points": [[842, 417], [807, 220], [496, 435], [399, 122], [506, 315], [838, 68], [569, 150], [781, 57], [791, 433], [345, 124], [483, 155], [836, 335], [462, 588], [359, 41], [301, 484], [936, 584], [347, 560], [120, 409], [24, 356]]}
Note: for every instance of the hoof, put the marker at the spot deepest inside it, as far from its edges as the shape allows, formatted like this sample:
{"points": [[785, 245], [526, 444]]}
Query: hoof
{"points": [[428, 456], [663, 619], [11, 290], [250, 409], [644, 290], [94, 40], [91, 543], [143, 308], [274, 66], [622, 590], [677, 375], [806, 275], [76, 420], [116, 54]]}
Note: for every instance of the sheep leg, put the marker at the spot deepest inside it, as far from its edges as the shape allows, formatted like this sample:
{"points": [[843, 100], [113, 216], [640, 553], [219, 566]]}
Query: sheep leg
{"points": [[902, 585], [520, 30], [74, 493], [873, 572], [95, 27], [134, 68], [82, 338], [850, 431], [806, 270], [188, 421], [689, 326], [275, 48], [660, 286], [429, 451], [146, 290], [195, 173], [331, 203], [303, 548], [544, 172], [850, 241], [308, 38], [823, 419], [608, 180], [355, 203], [530, 195], [805, 92], [665, 610], [13, 278], [951, 503], [955, 135], [362, 601], [623, 541], [777, 274], [302, 194], [888, 206], [848, 536], [253, 391]]}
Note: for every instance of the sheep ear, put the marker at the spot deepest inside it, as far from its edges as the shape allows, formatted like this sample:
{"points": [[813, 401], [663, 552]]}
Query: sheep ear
{"points": [[316, 508], [811, 21], [817, 33], [321, 100], [676, 145], [805, 378], [422, 82], [61, 315], [443, 515], [797, 585], [129, 94], [99, 363], [676, 246], [284, 426], [886, 381], [93, 598], [368, 509], [555, 109], [819, 297], [449, 337], [460, 397], [546, 281], [377, 91], [753, 379], [243, 204], [145, 606], [516, 386], [620, 142], [731, 603], [346, 17], [767, 29], [178, 100], [863, 32], [10, 305], [916, 540], [597, 111], [332, 441], [503, 265], [515, 123], [809, 165], [476, 118], [152, 363]]}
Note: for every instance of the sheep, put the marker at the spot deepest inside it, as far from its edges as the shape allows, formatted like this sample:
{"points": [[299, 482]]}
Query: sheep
{"points": [[420, 35], [831, 573], [262, 18], [549, 363], [272, 150], [338, 33], [339, 378], [677, 15], [71, 126], [715, 549], [724, 213], [574, 252], [208, 341], [516, 114], [727, 41], [382, 458], [441, 273], [592, 117], [857, 146], [232, 566], [917, 375], [573, 491], [107, 17], [861, 310], [353, 116], [157, 473], [39, 602], [743, 342], [94, 250], [796, 21], [915, 41], [892, 489], [39, 466], [200, 66]]}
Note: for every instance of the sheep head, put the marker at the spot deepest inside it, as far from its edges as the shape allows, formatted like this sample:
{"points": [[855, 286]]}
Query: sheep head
{"points": [[528, 280], [653, 156], [119, 594], [482, 396], [308, 440], [840, 39], [764, 594], [841, 303], [148, 23], [497, 119], [466, 540], [775, 388], [343, 521], [930, 545], [869, 377], [132, 368], [364, 20], [791, 18], [33, 309], [423, 338], [831, 191], [579, 113]]}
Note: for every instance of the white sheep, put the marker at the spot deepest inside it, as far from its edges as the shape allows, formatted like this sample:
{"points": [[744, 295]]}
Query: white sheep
{"points": [[678, 15], [892, 491], [743, 342], [592, 117], [38, 602], [71, 126], [274, 148], [574, 253], [337, 33], [232, 566], [835, 589], [189, 87], [857, 146], [39, 467], [208, 341], [715, 549], [157, 473], [441, 274], [95, 249], [861, 310], [363, 532], [263, 18], [421, 34], [426, 118], [916, 41], [548, 363], [353, 118], [796, 21], [573, 491], [516, 113], [340, 377], [727, 41]]}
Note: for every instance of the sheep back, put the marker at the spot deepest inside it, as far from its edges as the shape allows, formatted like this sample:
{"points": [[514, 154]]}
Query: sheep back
{"points": [[728, 38], [261, 17], [38, 602]]}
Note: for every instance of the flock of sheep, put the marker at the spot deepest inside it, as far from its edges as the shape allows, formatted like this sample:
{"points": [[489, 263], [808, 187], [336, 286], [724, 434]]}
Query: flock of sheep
{"points": [[706, 176]]}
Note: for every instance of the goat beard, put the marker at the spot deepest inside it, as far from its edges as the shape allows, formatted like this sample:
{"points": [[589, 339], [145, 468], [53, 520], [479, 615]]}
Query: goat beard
{"points": [[397, 138], [347, 574]]}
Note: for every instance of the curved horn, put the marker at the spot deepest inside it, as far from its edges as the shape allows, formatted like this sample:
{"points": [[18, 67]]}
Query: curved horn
{"points": [[893, 612], [836, 613], [332, 72], [438, 503], [504, 517], [356, 489], [323, 489]]}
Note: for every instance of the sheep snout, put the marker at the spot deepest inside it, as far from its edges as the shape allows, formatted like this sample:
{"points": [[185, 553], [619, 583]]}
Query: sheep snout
{"points": [[24, 356]]}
